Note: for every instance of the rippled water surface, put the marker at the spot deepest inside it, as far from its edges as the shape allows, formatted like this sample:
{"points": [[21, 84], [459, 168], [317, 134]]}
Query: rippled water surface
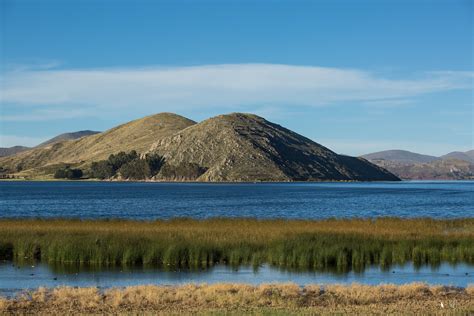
{"points": [[136, 200]]}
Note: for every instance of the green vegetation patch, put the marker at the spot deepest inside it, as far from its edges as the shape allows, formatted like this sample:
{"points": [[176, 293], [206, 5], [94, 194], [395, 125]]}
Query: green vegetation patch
{"points": [[340, 245], [128, 166]]}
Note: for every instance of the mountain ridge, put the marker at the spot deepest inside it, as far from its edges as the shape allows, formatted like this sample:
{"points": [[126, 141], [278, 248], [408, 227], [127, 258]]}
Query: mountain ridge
{"points": [[8, 151], [232, 147], [257, 150], [413, 166], [459, 155], [403, 156], [67, 136], [136, 135]]}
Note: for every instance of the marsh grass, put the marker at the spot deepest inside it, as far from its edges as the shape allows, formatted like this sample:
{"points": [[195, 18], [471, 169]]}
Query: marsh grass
{"points": [[271, 299], [293, 244]]}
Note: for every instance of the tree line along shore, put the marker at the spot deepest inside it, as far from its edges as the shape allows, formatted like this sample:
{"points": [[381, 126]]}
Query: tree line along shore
{"points": [[337, 244]]}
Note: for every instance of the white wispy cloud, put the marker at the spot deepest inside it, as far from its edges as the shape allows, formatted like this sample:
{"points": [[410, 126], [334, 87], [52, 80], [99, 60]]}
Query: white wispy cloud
{"points": [[45, 115], [176, 88]]}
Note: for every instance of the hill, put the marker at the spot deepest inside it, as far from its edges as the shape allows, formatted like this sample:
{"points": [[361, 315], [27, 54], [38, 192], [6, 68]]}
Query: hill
{"points": [[401, 156], [407, 165], [443, 169], [245, 147], [459, 155], [8, 151], [136, 135], [67, 136]]}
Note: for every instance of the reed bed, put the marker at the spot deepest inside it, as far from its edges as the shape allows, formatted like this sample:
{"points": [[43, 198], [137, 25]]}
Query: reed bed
{"points": [[293, 244], [284, 299]]}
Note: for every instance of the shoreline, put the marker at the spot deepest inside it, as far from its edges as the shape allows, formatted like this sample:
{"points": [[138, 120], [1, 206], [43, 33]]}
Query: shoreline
{"points": [[206, 182], [234, 299], [235, 182]]}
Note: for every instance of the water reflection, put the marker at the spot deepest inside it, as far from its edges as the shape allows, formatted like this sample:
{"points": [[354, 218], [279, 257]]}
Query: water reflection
{"points": [[14, 278]]}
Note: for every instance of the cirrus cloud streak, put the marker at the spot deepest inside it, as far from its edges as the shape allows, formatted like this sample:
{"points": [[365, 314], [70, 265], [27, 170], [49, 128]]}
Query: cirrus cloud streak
{"points": [[228, 85]]}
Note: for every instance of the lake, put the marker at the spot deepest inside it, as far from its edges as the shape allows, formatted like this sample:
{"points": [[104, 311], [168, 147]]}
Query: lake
{"points": [[147, 200]]}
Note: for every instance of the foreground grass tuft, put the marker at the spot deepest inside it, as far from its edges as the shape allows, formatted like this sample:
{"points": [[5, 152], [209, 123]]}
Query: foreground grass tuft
{"points": [[237, 298], [294, 244]]}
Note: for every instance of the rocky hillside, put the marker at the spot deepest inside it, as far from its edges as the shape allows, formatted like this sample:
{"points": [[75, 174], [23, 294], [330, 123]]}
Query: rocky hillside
{"points": [[136, 135], [245, 147]]}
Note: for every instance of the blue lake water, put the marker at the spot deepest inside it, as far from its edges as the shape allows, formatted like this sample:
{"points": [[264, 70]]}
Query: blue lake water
{"points": [[140, 200], [144, 201]]}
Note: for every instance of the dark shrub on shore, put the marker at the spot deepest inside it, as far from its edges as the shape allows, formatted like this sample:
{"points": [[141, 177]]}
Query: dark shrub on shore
{"points": [[137, 169], [122, 158], [102, 170], [183, 171], [154, 162], [68, 173], [127, 165]]}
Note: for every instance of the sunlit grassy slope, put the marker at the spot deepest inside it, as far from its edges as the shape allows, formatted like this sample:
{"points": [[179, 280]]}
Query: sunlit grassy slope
{"points": [[136, 135]]}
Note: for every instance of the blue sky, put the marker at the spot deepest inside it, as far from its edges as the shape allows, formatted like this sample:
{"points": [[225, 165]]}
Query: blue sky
{"points": [[356, 76]]}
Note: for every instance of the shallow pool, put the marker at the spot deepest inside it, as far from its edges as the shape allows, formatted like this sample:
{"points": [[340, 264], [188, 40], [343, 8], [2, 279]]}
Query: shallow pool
{"points": [[14, 279]]}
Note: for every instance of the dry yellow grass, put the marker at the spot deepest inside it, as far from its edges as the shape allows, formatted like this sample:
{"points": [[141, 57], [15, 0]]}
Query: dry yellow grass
{"points": [[238, 298]]}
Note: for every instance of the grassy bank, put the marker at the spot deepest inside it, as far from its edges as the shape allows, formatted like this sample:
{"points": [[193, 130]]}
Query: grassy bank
{"points": [[328, 244], [280, 299]]}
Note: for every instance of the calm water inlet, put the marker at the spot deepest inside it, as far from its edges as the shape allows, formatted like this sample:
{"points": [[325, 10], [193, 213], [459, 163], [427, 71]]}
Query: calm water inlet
{"points": [[14, 279]]}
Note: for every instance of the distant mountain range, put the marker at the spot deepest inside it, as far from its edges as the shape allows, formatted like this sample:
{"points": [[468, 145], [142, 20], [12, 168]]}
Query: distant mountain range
{"points": [[402, 156], [466, 156], [68, 136], [233, 147], [408, 165], [8, 151]]}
